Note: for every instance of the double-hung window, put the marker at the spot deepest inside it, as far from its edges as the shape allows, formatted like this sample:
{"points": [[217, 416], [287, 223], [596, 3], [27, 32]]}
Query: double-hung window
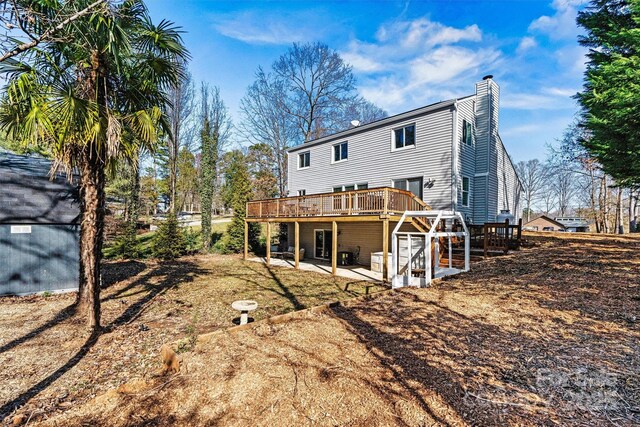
{"points": [[467, 133], [404, 137], [304, 160], [340, 152], [465, 191]]}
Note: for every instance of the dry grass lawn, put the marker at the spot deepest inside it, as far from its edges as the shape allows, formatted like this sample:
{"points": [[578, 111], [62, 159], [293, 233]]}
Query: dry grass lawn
{"points": [[546, 336], [49, 363]]}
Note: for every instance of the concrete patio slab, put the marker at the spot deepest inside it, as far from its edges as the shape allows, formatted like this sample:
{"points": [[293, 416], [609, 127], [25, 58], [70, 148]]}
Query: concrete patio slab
{"points": [[356, 272]]}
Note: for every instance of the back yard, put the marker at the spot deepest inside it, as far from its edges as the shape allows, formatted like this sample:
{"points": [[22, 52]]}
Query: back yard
{"points": [[545, 336], [48, 359]]}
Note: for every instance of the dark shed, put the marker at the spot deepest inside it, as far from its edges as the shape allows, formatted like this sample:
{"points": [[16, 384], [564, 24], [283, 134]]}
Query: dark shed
{"points": [[39, 227]]}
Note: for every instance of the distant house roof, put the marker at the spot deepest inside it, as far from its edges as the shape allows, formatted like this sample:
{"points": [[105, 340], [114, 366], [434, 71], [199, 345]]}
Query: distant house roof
{"points": [[573, 222], [552, 221], [28, 195]]}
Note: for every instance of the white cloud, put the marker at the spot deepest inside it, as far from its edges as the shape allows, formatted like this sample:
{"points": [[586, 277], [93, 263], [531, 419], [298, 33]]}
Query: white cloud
{"points": [[526, 43], [413, 63], [557, 91], [258, 28], [535, 101], [560, 25]]}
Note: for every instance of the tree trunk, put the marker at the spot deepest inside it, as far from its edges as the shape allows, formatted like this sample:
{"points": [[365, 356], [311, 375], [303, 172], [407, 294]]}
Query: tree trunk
{"points": [[619, 213], [92, 206], [633, 219]]}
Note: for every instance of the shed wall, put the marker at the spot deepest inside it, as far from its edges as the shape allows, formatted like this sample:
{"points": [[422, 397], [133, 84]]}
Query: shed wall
{"points": [[47, 259]]}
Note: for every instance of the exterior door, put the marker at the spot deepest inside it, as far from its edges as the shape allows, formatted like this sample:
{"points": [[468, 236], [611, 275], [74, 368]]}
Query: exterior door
{"points": [[323, 242], [413, 185]]}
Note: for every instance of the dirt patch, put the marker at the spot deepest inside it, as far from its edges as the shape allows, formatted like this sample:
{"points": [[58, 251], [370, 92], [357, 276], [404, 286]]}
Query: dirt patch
{"points": [[49, 363]]}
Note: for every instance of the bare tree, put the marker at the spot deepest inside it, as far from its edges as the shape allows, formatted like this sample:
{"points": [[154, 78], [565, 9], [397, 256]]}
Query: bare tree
{"points": [[178, 113], [319, 84], [532, 174], [265, 121], [362, 111]]}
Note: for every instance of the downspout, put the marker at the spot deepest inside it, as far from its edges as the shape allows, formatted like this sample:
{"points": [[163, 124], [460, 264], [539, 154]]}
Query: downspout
{"points": [[454, 159]]}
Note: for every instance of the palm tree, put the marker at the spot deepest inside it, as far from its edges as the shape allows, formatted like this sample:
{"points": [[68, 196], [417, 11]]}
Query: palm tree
{"points": [[94, 97]]}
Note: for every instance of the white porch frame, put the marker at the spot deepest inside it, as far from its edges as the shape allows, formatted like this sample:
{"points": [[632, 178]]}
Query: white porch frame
{"points": [[399, 280]]}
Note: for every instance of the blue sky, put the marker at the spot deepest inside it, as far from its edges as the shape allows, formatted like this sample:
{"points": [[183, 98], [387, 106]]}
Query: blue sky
{"points": [[405, 54]]}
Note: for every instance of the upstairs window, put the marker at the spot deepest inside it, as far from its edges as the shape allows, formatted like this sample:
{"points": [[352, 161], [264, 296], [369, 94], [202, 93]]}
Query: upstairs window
{"points": [[340, 152], [304, 160], [404, 136], [467, 133], [465, 191]]}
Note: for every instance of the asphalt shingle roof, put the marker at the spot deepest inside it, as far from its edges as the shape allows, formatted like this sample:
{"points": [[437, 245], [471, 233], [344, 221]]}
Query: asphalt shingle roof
{"points": [[28, 195]]}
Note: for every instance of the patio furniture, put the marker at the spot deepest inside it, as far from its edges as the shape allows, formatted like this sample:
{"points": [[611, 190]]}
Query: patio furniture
{"points": [[244, 307], [345, 258]]}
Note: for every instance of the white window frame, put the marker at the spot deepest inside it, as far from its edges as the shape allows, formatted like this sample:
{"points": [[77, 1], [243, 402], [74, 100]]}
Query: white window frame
{"points": [[468, 192], [404, 146], [355, 187], [333, 149], [300, 157], [467, 130]]}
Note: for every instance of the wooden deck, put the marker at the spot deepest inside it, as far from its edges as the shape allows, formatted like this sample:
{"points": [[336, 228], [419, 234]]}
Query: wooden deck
{"points": [[358, 203]]}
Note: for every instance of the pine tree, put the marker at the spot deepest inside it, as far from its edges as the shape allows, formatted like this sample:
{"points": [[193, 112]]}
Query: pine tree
{"points": [[612, 86], [238, 191], [207, 178]]}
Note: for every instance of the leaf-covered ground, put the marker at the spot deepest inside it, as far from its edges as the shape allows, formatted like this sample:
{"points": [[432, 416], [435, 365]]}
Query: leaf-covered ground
{"points": [[546, 336], [49, 363]]}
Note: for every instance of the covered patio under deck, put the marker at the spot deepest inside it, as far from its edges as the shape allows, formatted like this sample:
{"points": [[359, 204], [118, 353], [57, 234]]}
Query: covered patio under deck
{"points": [[355, 272], [370, 206]]}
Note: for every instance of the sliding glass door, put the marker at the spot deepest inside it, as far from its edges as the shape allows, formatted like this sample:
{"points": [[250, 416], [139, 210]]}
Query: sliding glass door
{"points": [[323, 242]]}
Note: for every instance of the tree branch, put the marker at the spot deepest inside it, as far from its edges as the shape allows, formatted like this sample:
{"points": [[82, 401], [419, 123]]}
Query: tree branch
{"points": [[48, 35]]}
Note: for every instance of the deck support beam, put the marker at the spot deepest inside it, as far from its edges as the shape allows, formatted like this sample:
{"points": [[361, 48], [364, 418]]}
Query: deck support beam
{"points": [[297, 244], [385, 250], [334, 248], [268, 243], [246, 239]]}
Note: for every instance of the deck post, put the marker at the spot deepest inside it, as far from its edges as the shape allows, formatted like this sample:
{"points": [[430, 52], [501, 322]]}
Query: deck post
{"points": [[486, 239], [297, 244], [268, 243], [246, 239], [386, 200], [334, 248], [385, 250]]}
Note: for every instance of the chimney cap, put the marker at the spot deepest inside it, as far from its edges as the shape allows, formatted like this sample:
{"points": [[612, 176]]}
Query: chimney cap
{"points": [[488, 77]]}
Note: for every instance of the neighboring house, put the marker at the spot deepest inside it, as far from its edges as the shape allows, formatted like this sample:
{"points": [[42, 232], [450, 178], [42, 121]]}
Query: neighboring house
{"points": [[543, 223], [445, 156], [574, 224], [39, 227]]}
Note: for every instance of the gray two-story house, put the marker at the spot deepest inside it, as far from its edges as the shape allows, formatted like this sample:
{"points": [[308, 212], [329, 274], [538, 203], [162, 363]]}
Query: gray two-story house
{"points": [[444, 156]]}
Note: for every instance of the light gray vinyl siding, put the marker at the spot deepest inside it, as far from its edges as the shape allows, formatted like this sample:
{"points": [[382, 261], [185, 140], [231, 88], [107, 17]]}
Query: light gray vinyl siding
{"points": [[509, 186], [485, 196], [372, 161], [466, 155]]}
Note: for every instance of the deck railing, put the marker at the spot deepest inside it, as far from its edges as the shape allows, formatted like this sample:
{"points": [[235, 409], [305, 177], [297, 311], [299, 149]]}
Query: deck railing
{"points": [[374, 201]]}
